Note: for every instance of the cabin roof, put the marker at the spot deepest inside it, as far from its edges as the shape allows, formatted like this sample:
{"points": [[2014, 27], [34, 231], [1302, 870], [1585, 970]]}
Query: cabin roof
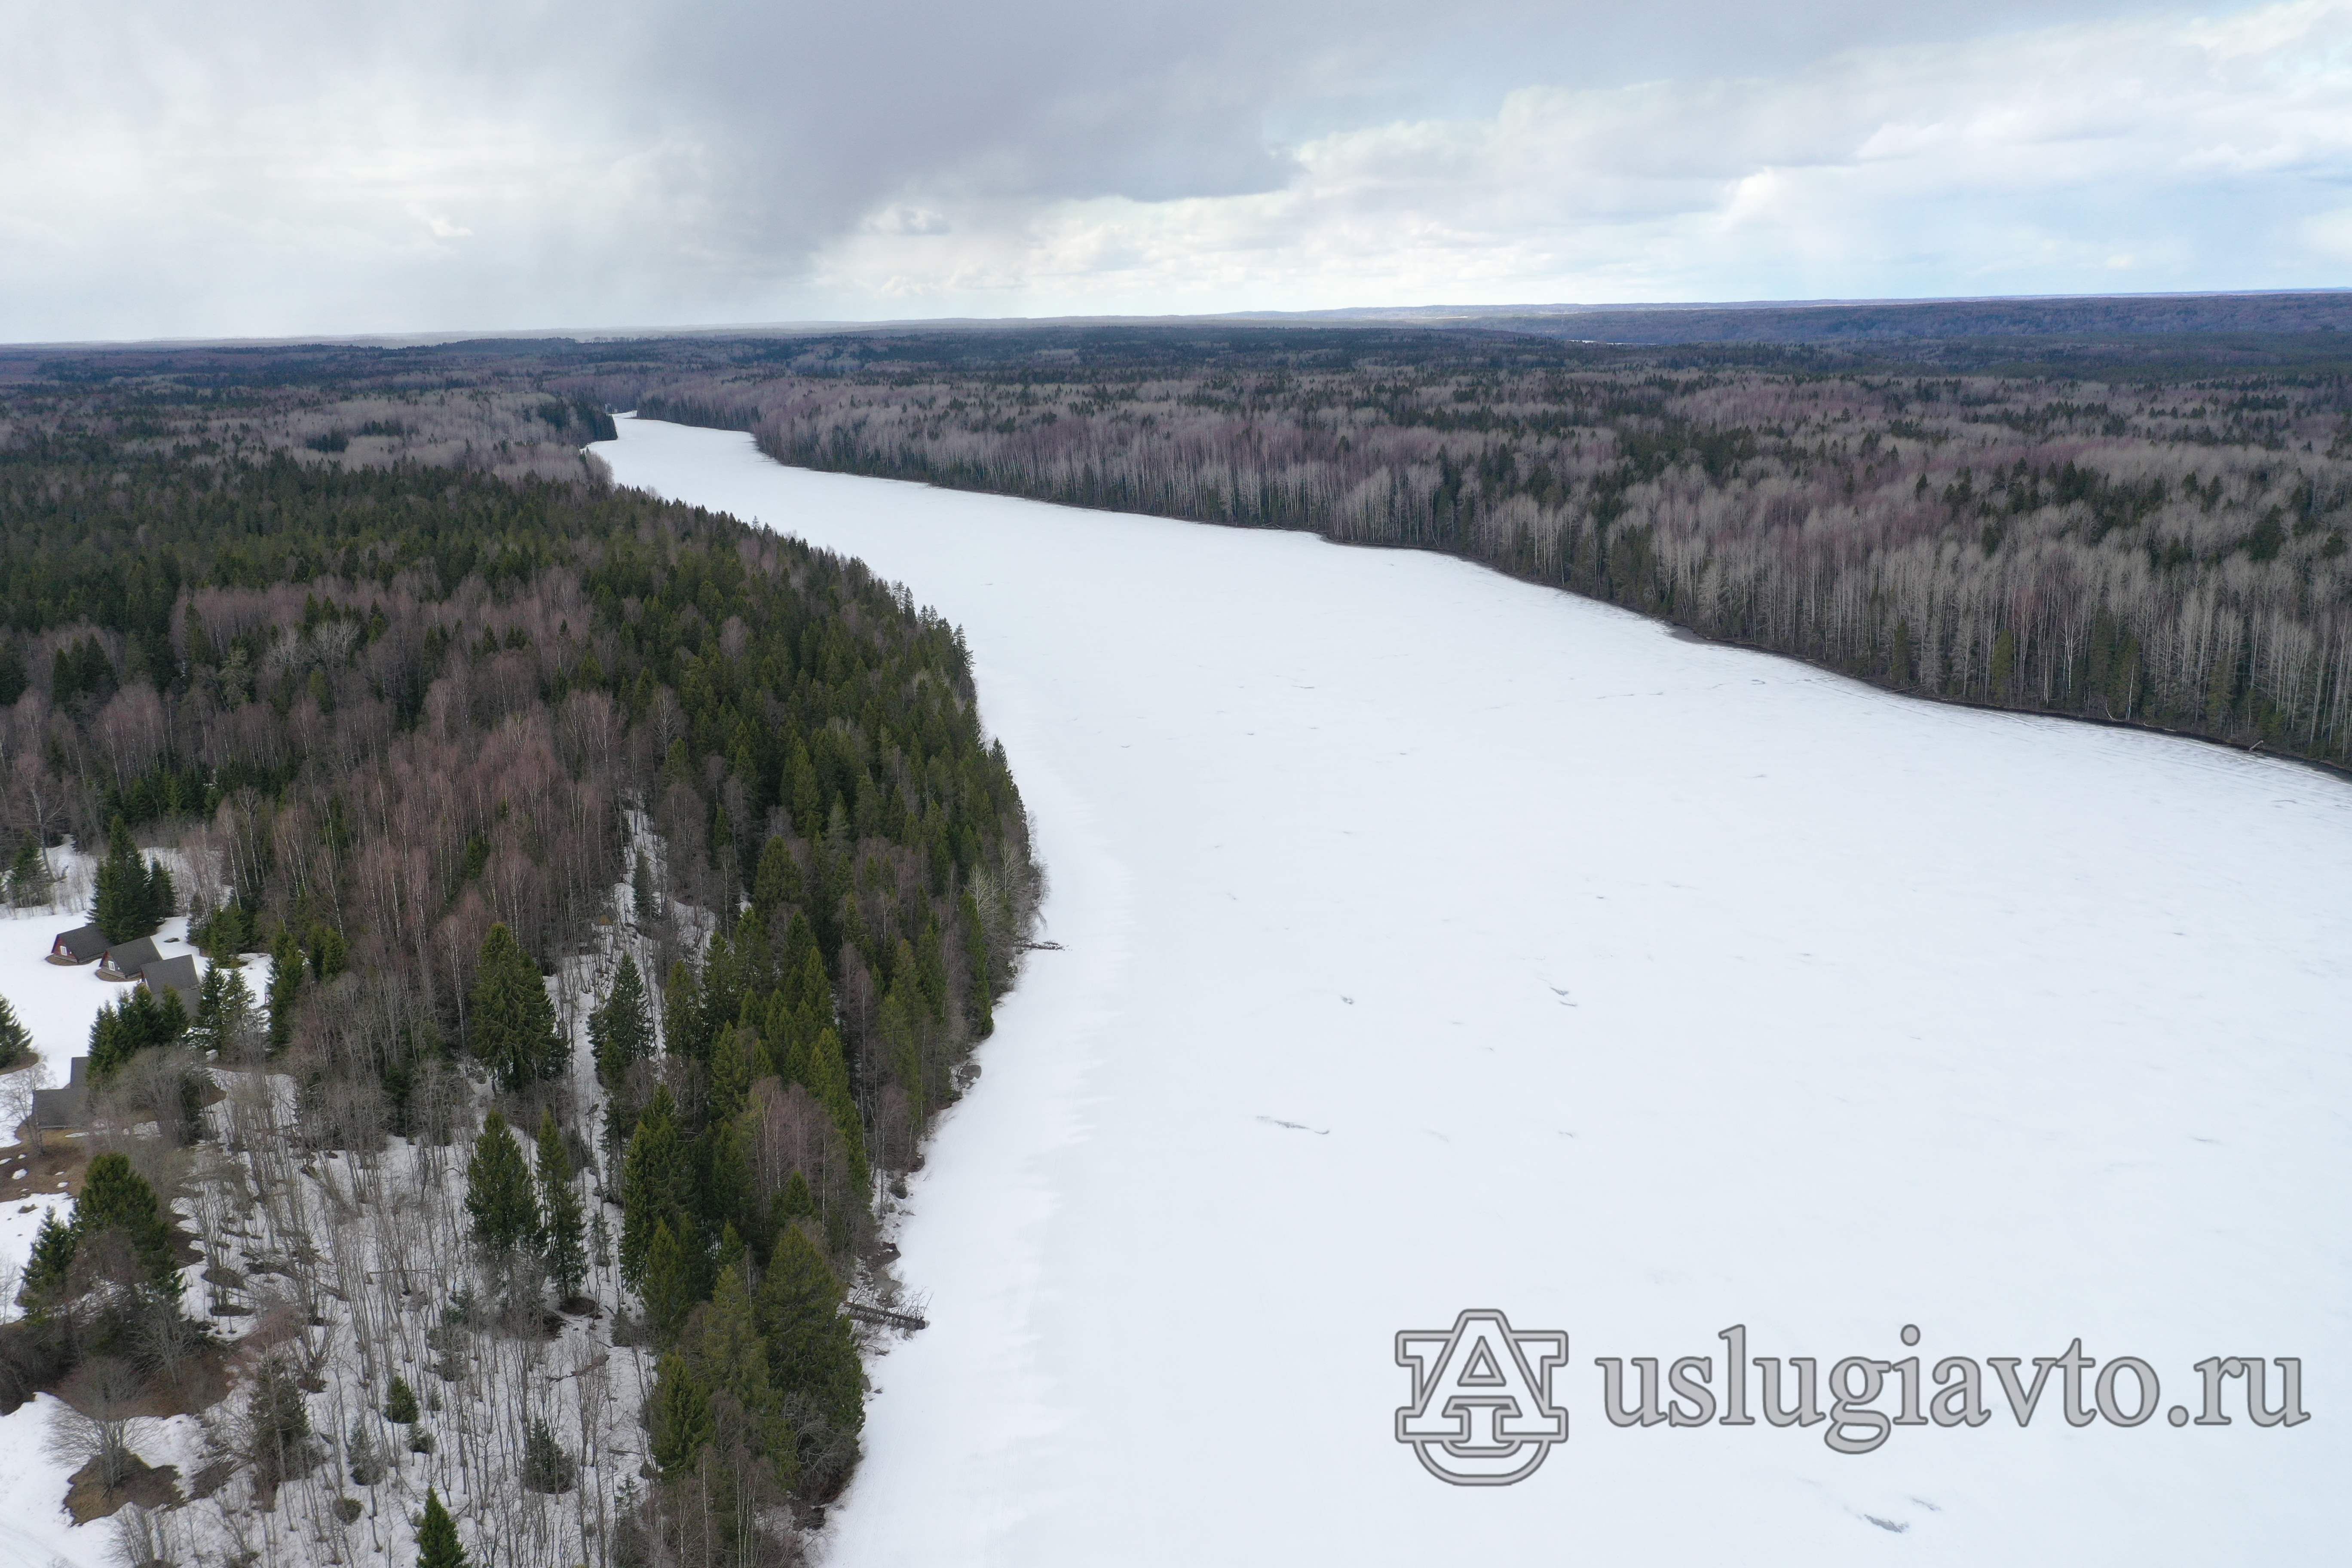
{"points": [[63, 1106], [128, 958], [177, 973], [83, 942]]}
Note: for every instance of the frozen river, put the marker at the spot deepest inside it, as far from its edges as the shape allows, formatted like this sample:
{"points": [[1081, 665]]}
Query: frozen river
{"points": [[1434, 941]]}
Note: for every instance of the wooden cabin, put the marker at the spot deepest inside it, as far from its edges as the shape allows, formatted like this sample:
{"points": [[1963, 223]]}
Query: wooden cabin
{"points": [[124, 959], [62, 1110], [79, 945], [177, 975]]}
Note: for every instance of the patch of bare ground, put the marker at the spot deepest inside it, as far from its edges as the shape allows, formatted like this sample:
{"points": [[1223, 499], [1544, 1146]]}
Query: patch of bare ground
{"points": [[88, 1496], [28, 1174]]}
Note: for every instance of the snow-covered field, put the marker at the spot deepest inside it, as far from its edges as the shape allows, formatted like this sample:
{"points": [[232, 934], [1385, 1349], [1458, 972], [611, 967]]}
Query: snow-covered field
{"points": [[1434, 941]]}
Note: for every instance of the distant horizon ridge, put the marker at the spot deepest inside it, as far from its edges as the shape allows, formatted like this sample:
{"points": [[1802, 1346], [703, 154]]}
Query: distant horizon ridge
{"points": [[1516, 310]]}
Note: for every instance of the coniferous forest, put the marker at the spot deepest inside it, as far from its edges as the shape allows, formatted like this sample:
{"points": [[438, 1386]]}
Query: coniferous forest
{"points": [[601, 897]]}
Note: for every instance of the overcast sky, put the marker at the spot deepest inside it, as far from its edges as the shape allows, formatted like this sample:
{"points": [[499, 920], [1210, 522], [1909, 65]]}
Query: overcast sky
{"points": [[258, 167]]}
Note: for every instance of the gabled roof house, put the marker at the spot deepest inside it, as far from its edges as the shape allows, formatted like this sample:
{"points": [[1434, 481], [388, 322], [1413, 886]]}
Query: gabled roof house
{"points": [[124, 959], [78, 946]]}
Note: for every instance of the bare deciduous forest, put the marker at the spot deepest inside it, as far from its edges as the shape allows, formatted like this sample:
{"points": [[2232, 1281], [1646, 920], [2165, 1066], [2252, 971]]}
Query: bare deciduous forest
{"points": [[2157, 536]]}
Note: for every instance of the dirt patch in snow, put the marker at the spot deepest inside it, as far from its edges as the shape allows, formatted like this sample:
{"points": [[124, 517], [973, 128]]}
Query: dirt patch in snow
{"points": [[149, 1486]]}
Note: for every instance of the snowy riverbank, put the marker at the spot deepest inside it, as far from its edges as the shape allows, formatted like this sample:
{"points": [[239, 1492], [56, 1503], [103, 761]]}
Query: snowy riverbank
{"points": [[1434, 941]]}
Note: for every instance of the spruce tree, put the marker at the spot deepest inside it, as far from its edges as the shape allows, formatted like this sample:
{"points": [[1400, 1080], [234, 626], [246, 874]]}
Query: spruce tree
{"points": [[498, 1190], [286, 972], [622, 1029], [123, 902], [657, 1183], [811, 1352], [15, 1040], [48, 1263], [546, 1468], [510, 1022], [682, 1012], [729, 1196], [728, 1353], [114, 1197], [563, 1229], [137, 1021], [29, 879], [795, 1202], [230, 932], [729, 1356], [678, 1415], [328, 952], [669, 1290], [829, 1077], [735, 1062], [643, 902], [778, 881], [400, 1404], [436, 1536], [225, 1011], [752, 961], [157, 897], [978, 982]]}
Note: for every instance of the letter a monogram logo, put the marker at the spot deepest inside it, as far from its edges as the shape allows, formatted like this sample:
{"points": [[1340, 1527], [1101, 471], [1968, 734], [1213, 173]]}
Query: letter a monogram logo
{"points": [[1481, 1413]]}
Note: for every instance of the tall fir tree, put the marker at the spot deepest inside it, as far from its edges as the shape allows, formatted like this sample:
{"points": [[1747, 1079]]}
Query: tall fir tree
{"points": [[138, 1021], [562, 1231], [286, 972], [621, 1029], [498, 1190], [682, 1012], [811, 1352], [48, 1266], [643, 902], [735, 1063], [679, 1416], [657, 1183], [124, 901], [777, 884], [509, 1020], [157, 897], [829, 1078], [723, 991], [979, 983], [113, 1199], [30, 882], [116, 1197], [669, 1288], [15, 1040], [436, 1536], [730, 1357], [225, 1011]]}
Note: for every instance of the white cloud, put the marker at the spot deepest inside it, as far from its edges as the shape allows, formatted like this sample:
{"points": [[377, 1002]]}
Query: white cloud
{"points": [[260, 166], [2184, 154]]}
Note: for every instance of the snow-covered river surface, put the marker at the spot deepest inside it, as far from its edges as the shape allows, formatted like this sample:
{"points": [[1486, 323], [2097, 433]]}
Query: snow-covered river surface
{"points": [[1432, 941]]}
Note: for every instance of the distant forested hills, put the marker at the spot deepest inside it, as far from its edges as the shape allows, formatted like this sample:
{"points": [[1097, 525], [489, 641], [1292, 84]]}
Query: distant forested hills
{"points": [[2134, 509], [2146, 541], [2224, 322]]}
